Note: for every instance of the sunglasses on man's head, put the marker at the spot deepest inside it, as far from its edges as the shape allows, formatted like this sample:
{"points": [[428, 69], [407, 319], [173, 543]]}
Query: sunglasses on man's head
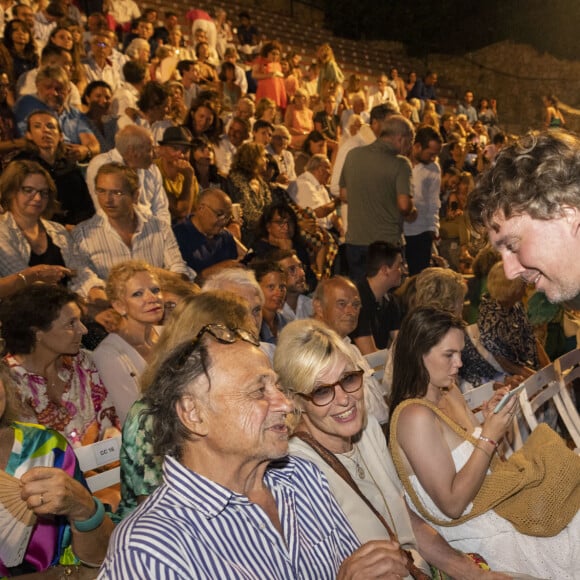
{"points": [[223, 334]]}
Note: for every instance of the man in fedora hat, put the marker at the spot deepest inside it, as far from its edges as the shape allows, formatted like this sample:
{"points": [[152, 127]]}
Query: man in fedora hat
{"points": [[179, 179]]}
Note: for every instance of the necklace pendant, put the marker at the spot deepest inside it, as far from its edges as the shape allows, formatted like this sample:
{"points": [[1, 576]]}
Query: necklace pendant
{"points": [[360, 471]]}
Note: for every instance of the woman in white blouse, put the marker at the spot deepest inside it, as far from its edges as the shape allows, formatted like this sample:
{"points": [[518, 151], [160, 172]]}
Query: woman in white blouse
{"points": [[135, 293]]}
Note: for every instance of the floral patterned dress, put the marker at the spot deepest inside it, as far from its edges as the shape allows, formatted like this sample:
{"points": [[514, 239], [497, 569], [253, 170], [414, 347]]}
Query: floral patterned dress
{"points": [[253, 204], [85, 410], [506, 331]]}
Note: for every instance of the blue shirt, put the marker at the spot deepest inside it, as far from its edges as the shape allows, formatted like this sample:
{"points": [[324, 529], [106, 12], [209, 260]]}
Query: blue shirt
{"points": [[192, 527], [265, 332], [72, 121], [201, 252]]}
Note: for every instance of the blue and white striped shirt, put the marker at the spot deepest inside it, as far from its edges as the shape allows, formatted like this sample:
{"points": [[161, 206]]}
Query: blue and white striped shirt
{"points": [[192, 527]]}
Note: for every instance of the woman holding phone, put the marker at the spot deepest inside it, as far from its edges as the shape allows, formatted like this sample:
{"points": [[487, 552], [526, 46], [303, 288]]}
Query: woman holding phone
{"points": [[445, 458]]}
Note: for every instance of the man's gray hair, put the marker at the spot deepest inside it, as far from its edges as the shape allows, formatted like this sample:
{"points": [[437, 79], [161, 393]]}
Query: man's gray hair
{"points": [[135, 46], [54, 73], [315, 162], [397, 126], [227, 278], [212, 192], [182, 366], [131, 136]]}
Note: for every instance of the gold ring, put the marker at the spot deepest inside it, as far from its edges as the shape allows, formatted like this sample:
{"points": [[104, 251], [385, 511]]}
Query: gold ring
{"points": [[41, 500]]}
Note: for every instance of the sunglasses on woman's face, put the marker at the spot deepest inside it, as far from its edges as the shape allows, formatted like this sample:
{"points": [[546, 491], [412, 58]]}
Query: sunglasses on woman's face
{"points": [[323, 395]]}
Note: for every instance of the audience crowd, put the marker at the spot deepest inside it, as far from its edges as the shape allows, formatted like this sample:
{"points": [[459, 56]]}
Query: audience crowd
{"points": [[184, 207]]}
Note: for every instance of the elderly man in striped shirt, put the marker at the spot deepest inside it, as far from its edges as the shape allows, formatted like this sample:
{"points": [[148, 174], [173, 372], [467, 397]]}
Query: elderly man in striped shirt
{"points": [[232, 504]]}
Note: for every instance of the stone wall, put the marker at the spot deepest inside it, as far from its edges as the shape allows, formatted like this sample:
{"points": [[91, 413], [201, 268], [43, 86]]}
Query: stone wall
{"points": [[517, 76]]}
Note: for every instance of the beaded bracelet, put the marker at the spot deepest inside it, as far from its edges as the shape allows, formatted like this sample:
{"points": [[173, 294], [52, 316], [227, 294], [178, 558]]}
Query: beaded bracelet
{"points": [[94, 521], [488, 440]]}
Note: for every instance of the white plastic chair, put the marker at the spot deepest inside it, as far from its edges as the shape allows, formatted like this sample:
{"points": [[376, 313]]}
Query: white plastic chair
{"points": [[98, 455], [476, 397]]}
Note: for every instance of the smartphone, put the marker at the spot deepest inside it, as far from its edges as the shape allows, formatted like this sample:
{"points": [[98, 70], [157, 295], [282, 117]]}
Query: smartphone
{"points": [[507, 397]]}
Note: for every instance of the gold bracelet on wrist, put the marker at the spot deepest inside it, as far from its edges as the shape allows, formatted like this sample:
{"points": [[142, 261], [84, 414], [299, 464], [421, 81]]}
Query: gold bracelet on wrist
{"points": [[22, 277], [483, 451]]}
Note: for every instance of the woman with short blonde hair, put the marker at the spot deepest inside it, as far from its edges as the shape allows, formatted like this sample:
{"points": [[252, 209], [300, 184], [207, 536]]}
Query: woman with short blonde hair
{"points": [[135, 294]]}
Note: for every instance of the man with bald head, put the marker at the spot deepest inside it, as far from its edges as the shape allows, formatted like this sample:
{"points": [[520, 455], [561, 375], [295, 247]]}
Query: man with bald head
{"points": [[205, 243], [336, 302]]}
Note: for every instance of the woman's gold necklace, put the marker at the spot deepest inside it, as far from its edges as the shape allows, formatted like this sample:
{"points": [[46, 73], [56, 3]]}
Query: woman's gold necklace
{"points": [[352, 456]]}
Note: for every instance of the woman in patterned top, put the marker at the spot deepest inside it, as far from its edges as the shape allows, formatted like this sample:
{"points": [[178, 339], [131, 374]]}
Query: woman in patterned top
{"points": [[57, 383], [504, 326], [247, 186]]}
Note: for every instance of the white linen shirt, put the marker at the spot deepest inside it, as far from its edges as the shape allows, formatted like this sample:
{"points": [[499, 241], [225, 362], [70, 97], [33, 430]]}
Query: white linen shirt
{"points": [[388, 96], [224, 155], [124, 11], [307, 191], [303, 309], [153, 241], [42, 29], [374, 391], [152, 197], [108, 73], [126, 96]]}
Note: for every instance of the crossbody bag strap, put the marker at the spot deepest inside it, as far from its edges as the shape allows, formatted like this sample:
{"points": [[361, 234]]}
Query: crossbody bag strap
{"points": [[402, 471]]}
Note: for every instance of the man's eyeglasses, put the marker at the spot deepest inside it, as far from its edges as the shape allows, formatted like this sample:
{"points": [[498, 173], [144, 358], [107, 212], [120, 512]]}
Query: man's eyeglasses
{"points": [[31, 192], [294, 269], [323, 395], [282, 223], [223, 335], [220, 215]]}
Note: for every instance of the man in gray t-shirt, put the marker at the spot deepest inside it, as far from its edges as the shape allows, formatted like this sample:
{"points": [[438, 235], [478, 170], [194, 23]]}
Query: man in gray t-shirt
{"points": [[376, 181]]}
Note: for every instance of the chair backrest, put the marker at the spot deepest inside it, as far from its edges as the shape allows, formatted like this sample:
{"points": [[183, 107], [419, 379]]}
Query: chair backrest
{"points": [[96, 456], [568, 366], [377, 361], [550, 384], [476, 397], [539, 389]]}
